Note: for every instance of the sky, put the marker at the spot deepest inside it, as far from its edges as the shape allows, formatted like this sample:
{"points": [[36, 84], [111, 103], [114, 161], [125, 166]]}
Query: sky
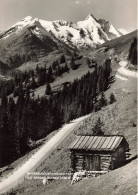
{"points": [[121, 13]]}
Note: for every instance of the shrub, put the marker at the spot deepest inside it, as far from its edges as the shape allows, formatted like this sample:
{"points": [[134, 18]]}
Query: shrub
{"points": [[112, 98]]}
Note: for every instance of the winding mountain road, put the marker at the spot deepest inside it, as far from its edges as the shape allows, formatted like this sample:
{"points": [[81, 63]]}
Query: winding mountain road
{"points": [[125, 71], [35, 161]]}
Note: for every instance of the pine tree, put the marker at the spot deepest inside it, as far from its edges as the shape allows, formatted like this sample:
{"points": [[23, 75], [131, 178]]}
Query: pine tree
{"points": [[133, 52], [4, 102], [33, 83], [15, 142], [66, 68], [62, 59], [6, 136], [37, 69], [48, 89], [103, 100], [49, 75], [72, 64], [97, 129]]}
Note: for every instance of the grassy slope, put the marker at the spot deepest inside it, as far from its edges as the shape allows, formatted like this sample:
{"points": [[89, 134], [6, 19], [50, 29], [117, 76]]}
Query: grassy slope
{"points": [[121, 181], [121, 43], [66, 77], [118, 119]]}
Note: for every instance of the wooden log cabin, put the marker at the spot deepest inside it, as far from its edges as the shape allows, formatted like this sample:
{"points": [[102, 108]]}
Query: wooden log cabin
{"points": [[98, 153]]}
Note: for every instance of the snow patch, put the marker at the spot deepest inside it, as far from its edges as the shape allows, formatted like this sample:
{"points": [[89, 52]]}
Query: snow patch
{"points": [[126, 72], [123, 31], [123, 63], [120, 77], [113, 30]]}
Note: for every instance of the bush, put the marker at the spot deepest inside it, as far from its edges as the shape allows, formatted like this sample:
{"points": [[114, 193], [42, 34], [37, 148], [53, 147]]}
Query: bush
{"points": [[103, 100], [112, 98]]}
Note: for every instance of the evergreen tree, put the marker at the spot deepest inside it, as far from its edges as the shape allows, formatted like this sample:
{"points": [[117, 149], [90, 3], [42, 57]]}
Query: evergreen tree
{"points": [[62, 59], [6, 138], [103, 100], [4, 102], [33, 83], [48, 89], [97, 129], [133, 52], [37, 69], [66, 68], [72, 64], [49, 75]]}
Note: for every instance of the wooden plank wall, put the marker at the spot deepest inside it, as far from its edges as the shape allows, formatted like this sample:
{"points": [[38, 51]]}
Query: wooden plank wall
{"points": [[78, 161], [107, 161], [118, 157]]}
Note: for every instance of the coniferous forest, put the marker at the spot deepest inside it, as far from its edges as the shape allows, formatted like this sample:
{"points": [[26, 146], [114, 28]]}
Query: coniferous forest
{"points": [[28, 119]]}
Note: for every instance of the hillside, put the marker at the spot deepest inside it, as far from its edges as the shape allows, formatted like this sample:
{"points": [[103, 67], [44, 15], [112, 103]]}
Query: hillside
{"points": [[120, 181], [118, 118], [121, 46]]}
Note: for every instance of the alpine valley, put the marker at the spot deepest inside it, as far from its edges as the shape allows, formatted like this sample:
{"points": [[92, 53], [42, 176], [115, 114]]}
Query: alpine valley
{"points": [[70, 78]]}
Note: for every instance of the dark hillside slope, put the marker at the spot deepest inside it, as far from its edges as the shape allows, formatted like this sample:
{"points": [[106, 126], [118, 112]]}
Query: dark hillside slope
{"points": [[120, 42], [120, 46], [27, 46]]}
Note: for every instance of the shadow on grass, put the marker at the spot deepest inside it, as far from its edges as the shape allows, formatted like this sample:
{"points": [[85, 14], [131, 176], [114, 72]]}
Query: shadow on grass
{"points": [[131, 159], [128, 161]]}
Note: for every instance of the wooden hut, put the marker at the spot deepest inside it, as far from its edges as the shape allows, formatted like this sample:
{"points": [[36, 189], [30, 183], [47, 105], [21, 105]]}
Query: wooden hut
{"points": [[98, 153]]}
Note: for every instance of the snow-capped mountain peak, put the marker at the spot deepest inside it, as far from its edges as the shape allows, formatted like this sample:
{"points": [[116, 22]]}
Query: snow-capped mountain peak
{"points": [[27, 18], [90, 17], [24, 22]]}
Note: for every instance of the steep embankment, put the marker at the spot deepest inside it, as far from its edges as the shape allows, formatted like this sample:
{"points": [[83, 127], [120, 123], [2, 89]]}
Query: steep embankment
{"points": [[121, 46]]}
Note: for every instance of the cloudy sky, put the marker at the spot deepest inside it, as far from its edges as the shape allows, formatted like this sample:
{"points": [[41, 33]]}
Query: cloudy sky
{"points": [[121, 13]]}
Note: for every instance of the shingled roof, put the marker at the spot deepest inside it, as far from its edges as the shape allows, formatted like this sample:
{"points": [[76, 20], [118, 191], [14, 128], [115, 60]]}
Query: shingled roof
{"points": [[97, 143]]}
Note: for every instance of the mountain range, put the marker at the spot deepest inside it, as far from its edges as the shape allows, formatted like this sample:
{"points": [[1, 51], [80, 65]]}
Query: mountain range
{"points": [[35, 40], [83, 33]]}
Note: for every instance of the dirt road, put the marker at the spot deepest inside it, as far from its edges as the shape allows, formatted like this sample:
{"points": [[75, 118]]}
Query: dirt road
{"points": [[18, 176]]}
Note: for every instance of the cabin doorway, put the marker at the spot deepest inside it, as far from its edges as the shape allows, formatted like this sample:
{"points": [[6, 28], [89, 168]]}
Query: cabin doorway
{"points": [[93, 163]]}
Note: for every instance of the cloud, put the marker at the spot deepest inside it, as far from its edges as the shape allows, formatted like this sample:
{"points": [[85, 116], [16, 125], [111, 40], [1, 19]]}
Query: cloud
{"points": [[99, 11], [77, 2], [88, 2]]}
